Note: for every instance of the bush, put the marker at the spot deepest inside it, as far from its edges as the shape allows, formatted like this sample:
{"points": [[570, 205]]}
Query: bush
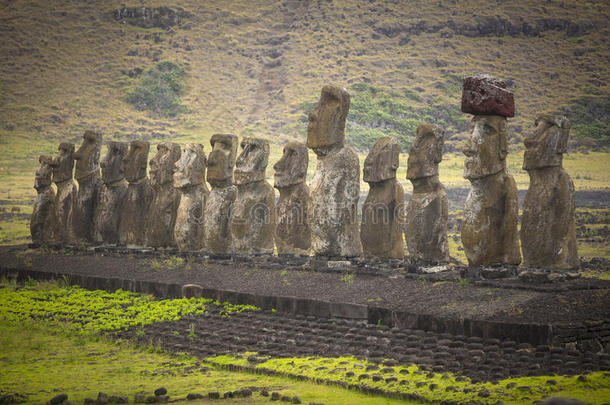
{"points": [[158, 89]]}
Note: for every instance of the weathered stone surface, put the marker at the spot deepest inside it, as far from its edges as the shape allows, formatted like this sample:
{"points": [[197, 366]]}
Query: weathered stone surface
{"points": [[139, 194], [189, 179], [428, 208], [486, 95], [292, 232], [65, 199], [380, 231], [164, 205], [110, 203], [548, 233], [217, 214], [252, 216], [489, 229], [42, 223], [90, 186]]}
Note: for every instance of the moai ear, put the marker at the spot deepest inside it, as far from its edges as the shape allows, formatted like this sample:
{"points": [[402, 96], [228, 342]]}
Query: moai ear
{"points": [[439, 141], [561, 143], [503, 147]]}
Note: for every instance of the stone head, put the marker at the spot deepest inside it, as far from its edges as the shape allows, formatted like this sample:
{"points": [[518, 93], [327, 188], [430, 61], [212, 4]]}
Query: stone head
{"points": [[162, 165], [63, 163], [252, 161], [487, 147], [382, 161], [111, 164], [44, 172], [326, 128], [546, 144], [291, 169], [136, 161], [88, 155], [221, 160], [190, 168], [426, 152]]}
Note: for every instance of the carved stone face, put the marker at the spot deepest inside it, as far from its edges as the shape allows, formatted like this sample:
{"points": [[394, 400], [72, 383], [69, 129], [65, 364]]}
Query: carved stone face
{"points": [[63, 162], [88, 155], [135, 162], [292, 167], [44, 172], [326, 128], [426, 152], [163, 163], [252, 161], [111, 165], [382, 161], [546, 144], [487, 146], [190, 168], [222, 159]]}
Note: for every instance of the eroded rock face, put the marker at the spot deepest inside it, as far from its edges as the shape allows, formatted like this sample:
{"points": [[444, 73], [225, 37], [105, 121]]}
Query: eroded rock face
{"points": [[548, 233], [335, 187], [217, 214], [87, 175], [112, 196], [164, 206], [65, 199], [252, 216], [189, 179], [42, 222], [138, 197], [428, 208], [381, 232], [292, 233], [486, 95]]}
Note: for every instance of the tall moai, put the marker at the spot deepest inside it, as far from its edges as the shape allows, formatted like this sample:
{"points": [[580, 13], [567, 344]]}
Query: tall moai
{"points": [[335, 187], [428, 208], [166, 198], [65, 199], [138, 197], [90, 185], [189, 179], [253, 212], [489, 229], [292, 232], [381, 230], [42, 222], [548, 231], [217, 214], [110, 205]]}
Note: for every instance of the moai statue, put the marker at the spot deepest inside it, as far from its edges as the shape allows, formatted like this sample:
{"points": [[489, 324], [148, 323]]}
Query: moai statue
{"points": [[110, 205], [65, 199], [428, 208], [217, 214], [253, 212], [292, 232], [138, 197], [87, 175], [548, 233], [42, 223], [164, 206], [335, 187], [189, 179], [489, 230], [381, 232]]}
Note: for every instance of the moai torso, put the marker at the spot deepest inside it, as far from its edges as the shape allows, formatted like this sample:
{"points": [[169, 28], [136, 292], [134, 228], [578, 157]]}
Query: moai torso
{"points": [[292, 233], [427, 210], [138, 197], [42, 223], [217, 213], [252, 216], [189, 179], [380, 232], [335, 187], [164, 206], [112, 196], [65, 199], [548, 233], [87, 175]]}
